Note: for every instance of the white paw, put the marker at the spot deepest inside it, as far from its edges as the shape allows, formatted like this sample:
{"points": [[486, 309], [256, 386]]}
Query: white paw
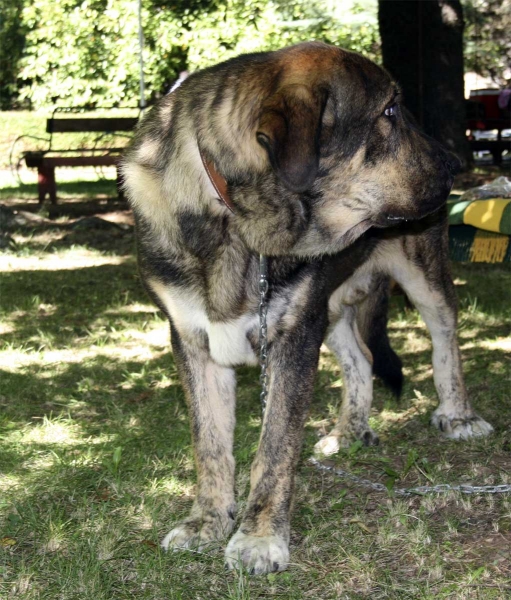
{"points": [[456, 428], [257, 554], [332, 442], [179, 537], [197, 534], [328, 445]]}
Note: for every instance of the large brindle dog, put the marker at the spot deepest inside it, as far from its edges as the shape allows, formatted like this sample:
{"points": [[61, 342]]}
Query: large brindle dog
{"points": [[321, 171]]}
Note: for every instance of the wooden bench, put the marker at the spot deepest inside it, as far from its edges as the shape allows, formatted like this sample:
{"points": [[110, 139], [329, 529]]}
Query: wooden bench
{"points": [[495, 146], [45, 161], [484, 114]]}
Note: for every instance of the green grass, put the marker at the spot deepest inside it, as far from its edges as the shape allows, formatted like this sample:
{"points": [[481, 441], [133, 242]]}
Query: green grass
{"points": [[96, 462]]}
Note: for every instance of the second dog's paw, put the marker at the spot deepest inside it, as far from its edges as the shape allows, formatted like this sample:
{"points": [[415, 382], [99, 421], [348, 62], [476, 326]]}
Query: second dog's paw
{"points": [[328, 445], [369, 437], [335, 440], [257, 554], [456, 428], [197, 534]]}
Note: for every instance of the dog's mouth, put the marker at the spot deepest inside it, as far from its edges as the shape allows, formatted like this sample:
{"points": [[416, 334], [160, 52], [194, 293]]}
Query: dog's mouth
{"points": [[383, 221], [391, 219], [354, 233]]}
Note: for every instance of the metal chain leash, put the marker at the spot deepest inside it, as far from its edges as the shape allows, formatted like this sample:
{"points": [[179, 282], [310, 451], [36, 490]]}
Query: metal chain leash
{"points": [[413, 491], [263, 329], [360, 481]]}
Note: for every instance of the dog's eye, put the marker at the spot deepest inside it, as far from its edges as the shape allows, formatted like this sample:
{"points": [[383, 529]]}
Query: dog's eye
{"points": [[391, 111]]}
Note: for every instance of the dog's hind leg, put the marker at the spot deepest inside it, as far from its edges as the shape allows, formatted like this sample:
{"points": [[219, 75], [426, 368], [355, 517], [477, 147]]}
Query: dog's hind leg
{"points": [[210, 392], [372, 318], [432, 291], [355, 359]]}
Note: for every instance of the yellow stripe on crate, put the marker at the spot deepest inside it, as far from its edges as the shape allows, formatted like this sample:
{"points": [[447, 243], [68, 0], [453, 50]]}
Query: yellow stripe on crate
{"points": [[485, 214], [489, 247]]}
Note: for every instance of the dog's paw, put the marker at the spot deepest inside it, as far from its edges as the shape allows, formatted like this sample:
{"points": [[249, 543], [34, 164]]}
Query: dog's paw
{"points": [[369, 437], [197, 534], [456, 428], [328, 445], [257, 554], [334, 441]]}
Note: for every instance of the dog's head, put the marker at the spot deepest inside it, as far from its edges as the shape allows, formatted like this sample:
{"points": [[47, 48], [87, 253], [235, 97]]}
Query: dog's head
{"points": [[333, 127]]}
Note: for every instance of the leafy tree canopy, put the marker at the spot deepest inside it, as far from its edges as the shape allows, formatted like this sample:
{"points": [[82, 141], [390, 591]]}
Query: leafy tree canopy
{"points": [[85, 53], [488, 38]]}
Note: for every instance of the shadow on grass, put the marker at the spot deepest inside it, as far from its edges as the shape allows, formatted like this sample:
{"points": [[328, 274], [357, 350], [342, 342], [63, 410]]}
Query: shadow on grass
{"points": [[112, 241], [139, 402], [97, 452], [61, 306], [67, 308], [112, 400], [63, 424]]}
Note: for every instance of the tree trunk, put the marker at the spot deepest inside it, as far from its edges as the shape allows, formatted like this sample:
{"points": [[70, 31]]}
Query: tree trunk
{"points": [[422, 46]]}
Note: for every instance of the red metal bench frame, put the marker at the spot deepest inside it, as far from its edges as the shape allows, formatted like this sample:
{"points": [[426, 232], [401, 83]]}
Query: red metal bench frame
{"points": [[46, 161]]}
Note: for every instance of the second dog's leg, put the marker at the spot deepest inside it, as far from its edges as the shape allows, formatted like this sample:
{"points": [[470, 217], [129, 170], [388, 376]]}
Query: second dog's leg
{"points": [[435, 298], [355, 360], [210, 392]]}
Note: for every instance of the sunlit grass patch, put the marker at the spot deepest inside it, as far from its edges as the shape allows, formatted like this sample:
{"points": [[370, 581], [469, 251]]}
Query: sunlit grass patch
{"points": [[74, 258], [52, 432]]}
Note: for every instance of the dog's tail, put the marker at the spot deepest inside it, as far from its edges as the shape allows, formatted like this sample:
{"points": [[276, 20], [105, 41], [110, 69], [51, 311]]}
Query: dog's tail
{"points": [[372, 323]]}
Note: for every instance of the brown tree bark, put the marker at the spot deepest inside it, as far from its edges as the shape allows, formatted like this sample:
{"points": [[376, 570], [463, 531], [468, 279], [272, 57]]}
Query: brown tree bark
{"points": [[422, 47]]}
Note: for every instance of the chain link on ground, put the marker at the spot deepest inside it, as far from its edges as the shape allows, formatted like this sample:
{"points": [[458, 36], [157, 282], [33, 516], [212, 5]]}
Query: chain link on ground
{"points": [[420, 490]]}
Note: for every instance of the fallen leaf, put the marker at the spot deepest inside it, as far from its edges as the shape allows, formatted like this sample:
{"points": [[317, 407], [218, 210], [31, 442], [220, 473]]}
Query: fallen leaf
{"points": [[362, 525]]}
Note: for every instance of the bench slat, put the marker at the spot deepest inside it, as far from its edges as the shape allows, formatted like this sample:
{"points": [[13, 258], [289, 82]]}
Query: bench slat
{"points": [[72, 161], [102, 124]]}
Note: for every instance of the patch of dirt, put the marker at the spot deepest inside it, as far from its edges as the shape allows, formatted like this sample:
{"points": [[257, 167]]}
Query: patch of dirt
{"points": [[107, 225]]}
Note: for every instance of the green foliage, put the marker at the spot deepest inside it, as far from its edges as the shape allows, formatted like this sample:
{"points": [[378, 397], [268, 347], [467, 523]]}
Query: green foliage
{"points": [[11, 47], [487, 38], [85, 53], [80, 53]]}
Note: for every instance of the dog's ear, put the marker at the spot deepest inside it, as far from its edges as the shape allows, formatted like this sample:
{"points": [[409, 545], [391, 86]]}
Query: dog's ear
{"points": [[289, 130]]}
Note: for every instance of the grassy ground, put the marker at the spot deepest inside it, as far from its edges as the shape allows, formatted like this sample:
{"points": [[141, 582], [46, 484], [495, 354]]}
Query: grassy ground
{"points": [[96, 462]]}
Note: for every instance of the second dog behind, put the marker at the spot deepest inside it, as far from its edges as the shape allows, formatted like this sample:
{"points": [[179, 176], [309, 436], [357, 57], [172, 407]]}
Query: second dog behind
{"points": [[416, 255]]}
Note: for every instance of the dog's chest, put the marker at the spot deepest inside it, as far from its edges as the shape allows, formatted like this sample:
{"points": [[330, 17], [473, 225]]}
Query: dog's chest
{"points": [[231, 342], [227, 340]]}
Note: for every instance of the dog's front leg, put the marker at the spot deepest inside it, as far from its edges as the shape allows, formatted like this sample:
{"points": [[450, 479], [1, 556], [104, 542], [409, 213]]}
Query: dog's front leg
{"points": [[210, 392], [262, 542]]}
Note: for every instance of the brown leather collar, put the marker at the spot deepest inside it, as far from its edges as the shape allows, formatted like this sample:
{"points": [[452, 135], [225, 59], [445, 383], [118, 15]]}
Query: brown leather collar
{"points": [[217, 181]]}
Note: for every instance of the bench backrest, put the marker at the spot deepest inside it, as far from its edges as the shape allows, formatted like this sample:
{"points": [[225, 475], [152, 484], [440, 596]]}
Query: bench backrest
{"points": [[83, 125]]}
